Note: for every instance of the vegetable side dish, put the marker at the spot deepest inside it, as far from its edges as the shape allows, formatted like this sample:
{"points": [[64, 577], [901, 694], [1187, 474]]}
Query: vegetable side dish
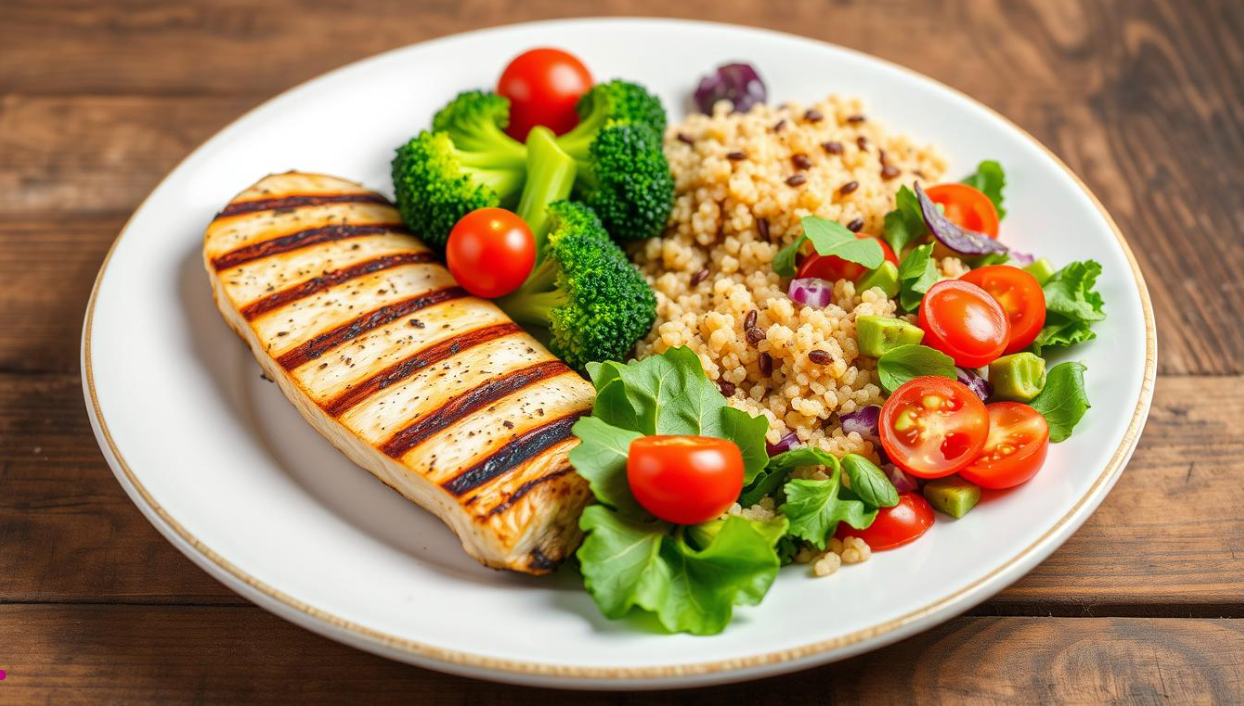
{"points": [[804, 343]]}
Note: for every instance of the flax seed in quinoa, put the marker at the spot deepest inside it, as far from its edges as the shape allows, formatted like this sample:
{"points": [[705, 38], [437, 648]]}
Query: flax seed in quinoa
{"points": [[734, 209]]}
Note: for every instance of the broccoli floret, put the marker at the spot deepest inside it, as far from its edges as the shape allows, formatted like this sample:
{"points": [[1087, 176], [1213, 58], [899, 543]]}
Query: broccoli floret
{"points": [[467, 162], [585, 299], [622, 171]]}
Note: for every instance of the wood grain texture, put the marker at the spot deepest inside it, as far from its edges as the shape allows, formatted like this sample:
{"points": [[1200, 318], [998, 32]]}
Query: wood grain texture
{"points": [[219, 655], [1142, 98]]}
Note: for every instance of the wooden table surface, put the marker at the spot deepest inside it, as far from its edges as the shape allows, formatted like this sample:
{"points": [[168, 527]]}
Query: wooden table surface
{"points": [[1144, 99]]}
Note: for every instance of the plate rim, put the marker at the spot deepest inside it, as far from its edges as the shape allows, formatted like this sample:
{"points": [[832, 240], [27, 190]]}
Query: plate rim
{"points": [[692, 674]]}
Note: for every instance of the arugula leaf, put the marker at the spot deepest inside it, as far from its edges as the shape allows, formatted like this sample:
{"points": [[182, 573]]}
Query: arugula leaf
{"points": [[670, 394], [600, 458], [905, 224], [916, 274], [651, 566], [1063, 401], [869, 483], [829, 238], [814, 509], [1072, 306], [909, 361], [990, 179]]}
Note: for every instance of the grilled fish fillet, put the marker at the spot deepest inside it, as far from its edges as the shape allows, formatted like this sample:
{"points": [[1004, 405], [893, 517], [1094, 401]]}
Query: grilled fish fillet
{"points": [[436, 392]]}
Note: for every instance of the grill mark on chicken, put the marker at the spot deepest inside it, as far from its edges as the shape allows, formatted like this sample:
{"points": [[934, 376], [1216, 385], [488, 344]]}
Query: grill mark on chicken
{"points": [[525, 488], [298, 240], [407, 367], [524, 448], [351, 330], [467, 403], [237, 208], [330, 279]]}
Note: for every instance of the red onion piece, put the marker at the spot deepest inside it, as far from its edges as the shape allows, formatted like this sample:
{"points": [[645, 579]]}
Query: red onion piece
{"points": [[862, 421], [903, 482], [962, 241], [1022, 259], [975, 383], [789, 441], [810, 291], [738, 83]]}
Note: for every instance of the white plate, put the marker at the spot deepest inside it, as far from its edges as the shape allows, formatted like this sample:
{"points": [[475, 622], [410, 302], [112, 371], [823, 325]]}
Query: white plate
{"points": [[222, 465]]}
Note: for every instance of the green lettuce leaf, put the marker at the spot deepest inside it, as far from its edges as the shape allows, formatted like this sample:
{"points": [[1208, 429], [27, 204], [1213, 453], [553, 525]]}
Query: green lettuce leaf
{"points": [[829, 238], [651, 566], [815, 507], [916, 274], [1063, 401], [1072, 306], [905, 224], [868, 482], [780, 467], [670, 394], [990, 179], [910, 361], [600, 458]]}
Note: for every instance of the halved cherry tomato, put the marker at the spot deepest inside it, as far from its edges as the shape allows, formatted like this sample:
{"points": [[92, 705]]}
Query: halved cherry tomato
{"points": [[1021, 298], [1019, 295], [1019, 439], [543, 86], [490, 252], [933, 426], [961, 320], [967, 206], [831, 267], [685, 479], [894, 526]]}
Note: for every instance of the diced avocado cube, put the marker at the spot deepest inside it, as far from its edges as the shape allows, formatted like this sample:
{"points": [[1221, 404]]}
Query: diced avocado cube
{"points": [[1042, 269], [952, 495], [885, 277], [1018, 377], [878, 334]]}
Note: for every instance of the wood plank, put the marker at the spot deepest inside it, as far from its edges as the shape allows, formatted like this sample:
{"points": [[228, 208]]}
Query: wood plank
{"points": [[1163, 542], [234, 46], [130, 654]]}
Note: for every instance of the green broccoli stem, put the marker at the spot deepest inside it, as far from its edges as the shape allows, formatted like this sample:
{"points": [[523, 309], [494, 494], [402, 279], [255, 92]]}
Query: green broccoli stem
{"points": [[550, 176], [578, 142], [539, 295]]}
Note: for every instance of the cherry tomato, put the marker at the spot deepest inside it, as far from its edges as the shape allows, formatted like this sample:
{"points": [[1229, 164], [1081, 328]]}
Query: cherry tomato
{"points": [[933, 426], [490, 252], [894, 526], [1020, 296], [967, 206], [685, 479], [543, 86], [1018, 440], [961, 320], [833, 268]]}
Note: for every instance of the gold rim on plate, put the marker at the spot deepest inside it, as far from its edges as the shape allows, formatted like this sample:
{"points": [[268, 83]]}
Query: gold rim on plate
{"points": [[453, 658]]}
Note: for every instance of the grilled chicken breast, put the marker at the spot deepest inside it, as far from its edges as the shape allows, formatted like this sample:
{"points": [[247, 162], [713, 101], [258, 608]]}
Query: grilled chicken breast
{"points": [[434, 391]]}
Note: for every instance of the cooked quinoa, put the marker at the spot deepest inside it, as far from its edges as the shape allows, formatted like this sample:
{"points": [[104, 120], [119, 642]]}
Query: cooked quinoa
{"points": [[743, 182]]}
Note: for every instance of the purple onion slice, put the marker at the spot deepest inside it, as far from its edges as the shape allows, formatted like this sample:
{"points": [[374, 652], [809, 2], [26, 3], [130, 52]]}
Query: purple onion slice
{"points": [[903, 482], [810, 291], [962, 241], [863, 421], [738, 83], [789, 441], [1022, 259], [975, 383]]}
